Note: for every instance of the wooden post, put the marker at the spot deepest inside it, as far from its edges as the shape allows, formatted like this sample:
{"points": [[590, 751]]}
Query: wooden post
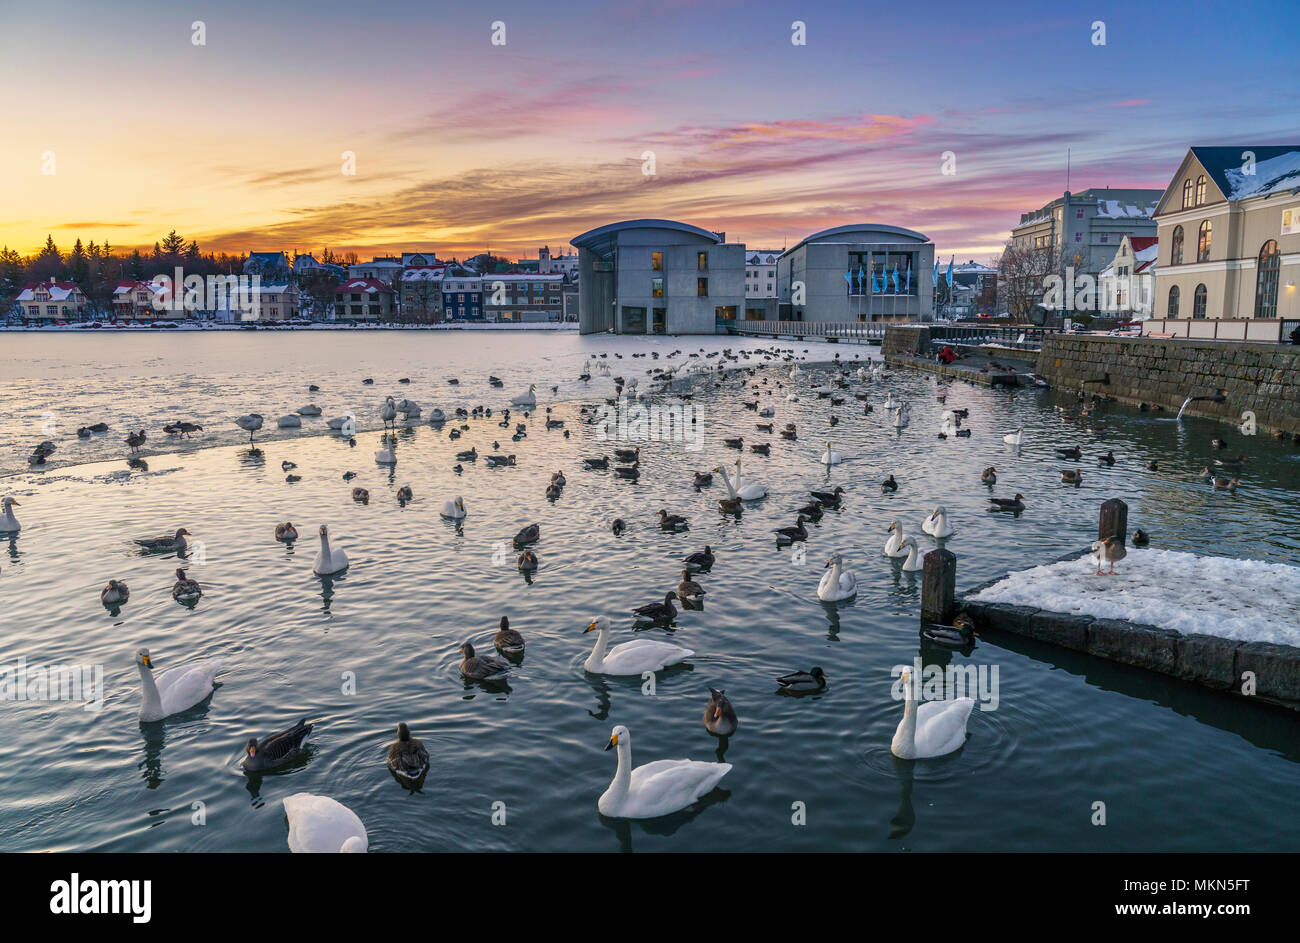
{"points": [[1113, 521], [938, 586]]}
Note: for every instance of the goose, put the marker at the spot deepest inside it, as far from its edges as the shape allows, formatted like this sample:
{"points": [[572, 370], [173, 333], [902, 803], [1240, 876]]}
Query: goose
{"points": [[701, 560], [1108, 551], [888, 485], [185, 589], [837, 583], [1008, 504], [658, 611], [329, 559], [8, 523], [788, 535], [1225, 484], [961, 634], [930, 729], [789, 433], [321, 825], [989, 476], [481, 667], [454, 508], [407, 756], [405, 494], [829, 457], [527, 562], [812, 510], [530, 534], [748, 490], [627, 455], [286, 532], [388, 412], [176, 689], [361, 495], [688, 589], [829, 498], [311, 409], [936, 525], [500, 461], [912, 563], [115, 593], [250, 424], [1141, 538], [719, 715], [761, 449], [655, 789], [174, 544], [1069, 477], [894, 543], [672, 521], [803, 682], [526, 399], [630, 658], [1014, 438], [276, 749], [507, 641]]}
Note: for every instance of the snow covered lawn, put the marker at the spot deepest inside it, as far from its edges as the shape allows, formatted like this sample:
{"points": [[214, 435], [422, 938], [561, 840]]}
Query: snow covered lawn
{"points": [[1246, 600]]}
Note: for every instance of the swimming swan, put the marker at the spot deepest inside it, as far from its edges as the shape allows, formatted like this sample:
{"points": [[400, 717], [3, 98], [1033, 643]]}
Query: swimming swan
{"points": [[329, 559], [655, 789], [936, 525], [454, 508], [630, 658], [748, 490], [894, 544], [831, 458], [321, 825], [1014, 438], [8, 523], [176, 689], [911, 564], [526, 399], [837, 583], [930, 729]]}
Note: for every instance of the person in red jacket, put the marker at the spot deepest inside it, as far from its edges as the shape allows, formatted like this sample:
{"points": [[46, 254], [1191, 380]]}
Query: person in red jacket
{"points": [[947, 355]]}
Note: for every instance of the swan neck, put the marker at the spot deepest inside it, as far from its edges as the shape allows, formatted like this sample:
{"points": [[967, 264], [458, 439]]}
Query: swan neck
{"points": [[598, 653], [905, 736], [152, 701], [730, 490], [623, 775]]}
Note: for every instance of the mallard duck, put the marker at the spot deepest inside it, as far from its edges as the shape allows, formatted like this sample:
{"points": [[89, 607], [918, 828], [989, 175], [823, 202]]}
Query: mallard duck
{"points": [[115, 593], [672, 521], [286, 532], [1141, 538], [688, 588], [888, 485], [1108, 551], [481, 667], [176, 543], [701, 560], [528, 535], [527, 562], [788, 535], [185, 589], [361, 495], [658, 611], [719, 715], [989, 476], [803, 682], [1073, 452], [407, 756], [276, 749], [830, 499], [348, 476], [507, 641], [961, 634], [1069, 477], [1009, 504], [404, 494]]}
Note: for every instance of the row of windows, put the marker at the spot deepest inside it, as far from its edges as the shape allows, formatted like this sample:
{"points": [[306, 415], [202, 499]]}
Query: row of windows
{"points": [[1204, 237], [1192, 197], [1266, 281], [657, 261]]}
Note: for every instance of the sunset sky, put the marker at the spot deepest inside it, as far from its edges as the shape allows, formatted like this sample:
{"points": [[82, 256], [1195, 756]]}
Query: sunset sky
{"points": [[461, 145]]}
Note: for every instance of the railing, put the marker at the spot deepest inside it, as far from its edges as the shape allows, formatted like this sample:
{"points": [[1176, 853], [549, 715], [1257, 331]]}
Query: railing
{"points": [[1256, 330], [845, 330], [1020, 336]]}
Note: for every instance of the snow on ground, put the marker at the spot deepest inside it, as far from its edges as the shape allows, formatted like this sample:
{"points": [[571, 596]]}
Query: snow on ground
{"points": [[1248, 600]]}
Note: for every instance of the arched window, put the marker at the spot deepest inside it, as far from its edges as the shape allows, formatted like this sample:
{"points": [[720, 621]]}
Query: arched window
{"points": [[1200, 189], [1198, 302], [1203, 241], [1187, 193], [1266, 280], [1173, 301], [1176, 253]]}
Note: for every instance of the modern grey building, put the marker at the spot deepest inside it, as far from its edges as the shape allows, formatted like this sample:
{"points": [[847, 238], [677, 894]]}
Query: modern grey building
{"points": [[889, 271], [657, 276]]}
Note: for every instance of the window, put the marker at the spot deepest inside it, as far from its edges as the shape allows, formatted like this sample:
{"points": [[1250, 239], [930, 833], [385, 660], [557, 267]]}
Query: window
{"points": [[1173, 302], [656, 261], [1176, 253], [1203, 241], [1078, 213], [1105, 237], [1198, 302], [656, 287], [1187, 193], [702, 261], [1078, 237], [1266, 281], [701, 288], [1200, 189]]}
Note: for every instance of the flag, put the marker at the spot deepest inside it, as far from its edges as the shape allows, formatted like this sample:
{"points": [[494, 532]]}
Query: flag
{"points": [[874, 286], [950, 273], [935, 283], [908, 289], [895, 278], [848, 277], [861, 276]]}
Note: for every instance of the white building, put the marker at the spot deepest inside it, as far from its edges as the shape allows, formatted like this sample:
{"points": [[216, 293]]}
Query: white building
{"points": [[380, 269], [1126, 287], [760, 273]]}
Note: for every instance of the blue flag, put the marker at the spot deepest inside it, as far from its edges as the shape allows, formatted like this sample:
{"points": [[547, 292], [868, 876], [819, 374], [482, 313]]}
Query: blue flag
{"points": [[935, 283], [950, 273], [895, 278], [874, 286], [848, 277], [861, 277], [908, 289]]}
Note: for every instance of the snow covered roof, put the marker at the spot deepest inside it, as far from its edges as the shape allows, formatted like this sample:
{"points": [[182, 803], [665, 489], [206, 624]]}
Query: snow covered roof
{"points": [[369, 285], [762, 256], [423, 273], [59, 291], [1271, 176]]}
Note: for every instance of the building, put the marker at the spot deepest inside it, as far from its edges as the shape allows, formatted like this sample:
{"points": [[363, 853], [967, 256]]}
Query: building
{"points": [[760, 273], [277, 301], [858, 272], [523, 296], [414, 259], [134, 301], [381, 269], [1127, 286], [364, 299], [1229, 230], [51, 301], [548, 264], [973, 285], [272, 266], [657, 276], [462, 295], [421, 297]]}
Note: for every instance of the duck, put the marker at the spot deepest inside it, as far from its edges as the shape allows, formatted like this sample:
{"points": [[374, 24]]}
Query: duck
{"points": [[629, 472], [559, 479], [8, 522], [289, 421], [250, 424], [526, 399], [593, 464], [913, 563], [176, 689], [630, 658], [989, 476], [321, 825], [1014, 438], [405, 494], [703, 479], [789, 432], [1074, 452], [934, 728], [1108, 551], [1069, 477], [527, 562], [528, 535], [719, 716], [618, 525], [329, 559], [361, 495], [454, 508], [286, 532], [960, 634], [136, 439], [936, 525], [469, 455], [889, 485], [736, 443], [787, 535], [658, 611], [500, 461], [553, 491], [1107, 459], [837, 583], [507, 641], [672, 521], [812, 510], [174, 544], [1008, 504], [407, 756], [830, 457], [385, 456], [830, 499], [481, 667], [1141, 538], [1225, 484], [185, 589], [701, 560], [437, 416], [761, 449], [348, 476], [115, 593], [274, 750], [655, 789], [688, 589], [627, 455], [803, 682], [1153, 466]]}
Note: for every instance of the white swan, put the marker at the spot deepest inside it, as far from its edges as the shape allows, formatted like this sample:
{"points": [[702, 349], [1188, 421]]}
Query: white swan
{"points": [[932, 729], [526, 399], [385, 457], [837, 583], [902, 417], [1013, 438], [630, 658], [936, 525], [321, 825], [831, 458], [176, 689], [894, 543], [436, 415], [329, 559], [8, 523], [388, 412], [748, 490], [344, 425], [658, 788], [890, 402], [454, 508], [911, 564]]}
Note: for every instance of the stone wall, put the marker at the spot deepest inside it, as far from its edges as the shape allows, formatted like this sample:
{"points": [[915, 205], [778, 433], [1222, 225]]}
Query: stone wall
{"points": [[912, 341], [1260, 378]]}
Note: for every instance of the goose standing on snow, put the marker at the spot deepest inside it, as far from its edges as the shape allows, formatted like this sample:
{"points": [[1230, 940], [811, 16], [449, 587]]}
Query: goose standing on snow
{"points": [[655, 789], [329, 559], [276, 749], [936, 525], [407, 756], [8, 523], [931, 729], [837, 583], [176, 689], [630, 658], [321, 825]]}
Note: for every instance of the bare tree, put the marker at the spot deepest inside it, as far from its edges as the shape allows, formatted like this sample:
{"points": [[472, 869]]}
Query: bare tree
{"points": [[1021, 271]]}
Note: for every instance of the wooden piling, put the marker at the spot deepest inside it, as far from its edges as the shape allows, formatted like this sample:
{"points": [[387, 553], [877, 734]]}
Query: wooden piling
{"points": [[1113, 521], [938, 586]]}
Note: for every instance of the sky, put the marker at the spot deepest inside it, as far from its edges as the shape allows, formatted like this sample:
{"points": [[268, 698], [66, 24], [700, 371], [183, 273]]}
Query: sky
{"points": [[120, 127]]}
